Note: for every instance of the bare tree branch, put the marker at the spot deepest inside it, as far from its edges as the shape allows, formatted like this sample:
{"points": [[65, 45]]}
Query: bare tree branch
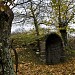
{"points": [[72, 16], [18, 22], [20, 4]]}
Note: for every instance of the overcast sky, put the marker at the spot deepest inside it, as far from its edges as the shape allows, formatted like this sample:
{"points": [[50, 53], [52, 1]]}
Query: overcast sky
{"points": [[28, 26]]}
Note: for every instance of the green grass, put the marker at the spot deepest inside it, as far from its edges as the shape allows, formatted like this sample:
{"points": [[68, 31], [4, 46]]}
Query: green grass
{"points": [[26, 55], [22, 39], [72, 53]]}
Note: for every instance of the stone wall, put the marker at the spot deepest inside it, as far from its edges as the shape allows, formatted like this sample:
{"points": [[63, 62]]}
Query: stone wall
{"points": [[57, 48]]}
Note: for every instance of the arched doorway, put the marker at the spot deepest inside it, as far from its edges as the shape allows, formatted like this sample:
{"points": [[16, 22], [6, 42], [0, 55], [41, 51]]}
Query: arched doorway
{"points": [[54, 49]]}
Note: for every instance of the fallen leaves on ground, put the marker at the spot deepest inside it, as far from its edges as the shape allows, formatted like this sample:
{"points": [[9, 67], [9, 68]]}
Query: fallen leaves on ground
{"points": [[32, 68]]}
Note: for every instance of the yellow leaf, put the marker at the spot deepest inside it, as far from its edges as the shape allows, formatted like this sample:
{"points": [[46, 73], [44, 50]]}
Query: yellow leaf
{"points": [[2, 9]]}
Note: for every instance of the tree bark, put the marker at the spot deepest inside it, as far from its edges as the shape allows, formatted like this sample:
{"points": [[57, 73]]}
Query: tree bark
{"points": [[4, 46], [36, 27], [64, 36], [6, 56], [62, 25]]}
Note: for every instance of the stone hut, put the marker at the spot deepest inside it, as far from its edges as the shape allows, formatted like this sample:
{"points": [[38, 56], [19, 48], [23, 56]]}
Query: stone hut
{"points": [[52, 49]]}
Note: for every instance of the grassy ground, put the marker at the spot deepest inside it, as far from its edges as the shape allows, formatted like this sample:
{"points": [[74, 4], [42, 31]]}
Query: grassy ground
{"points": [[29, 64]]}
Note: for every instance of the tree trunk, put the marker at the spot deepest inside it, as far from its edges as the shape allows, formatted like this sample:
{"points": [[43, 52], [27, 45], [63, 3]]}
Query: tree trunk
{"points": [[64, 36], [7, 61], [36, 28], [5, 55], [37, 34]]}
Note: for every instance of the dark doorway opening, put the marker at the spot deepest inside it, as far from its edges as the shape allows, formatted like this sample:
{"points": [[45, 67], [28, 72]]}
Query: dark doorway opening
{"points": [[54, 49]]}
